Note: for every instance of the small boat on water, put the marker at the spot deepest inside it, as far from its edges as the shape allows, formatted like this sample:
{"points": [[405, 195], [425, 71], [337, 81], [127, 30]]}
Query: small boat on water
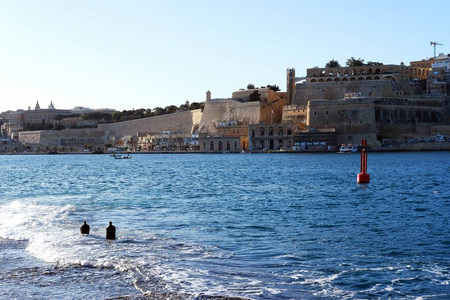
{"points": [[348, 148], [120, 156]]}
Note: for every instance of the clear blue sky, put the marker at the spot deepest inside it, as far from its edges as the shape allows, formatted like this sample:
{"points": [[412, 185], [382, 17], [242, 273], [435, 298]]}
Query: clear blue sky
{"points": [[144, 54]]}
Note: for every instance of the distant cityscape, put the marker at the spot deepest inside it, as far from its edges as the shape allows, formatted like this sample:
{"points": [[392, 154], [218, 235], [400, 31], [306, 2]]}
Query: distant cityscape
{"points": [[393, 107]]}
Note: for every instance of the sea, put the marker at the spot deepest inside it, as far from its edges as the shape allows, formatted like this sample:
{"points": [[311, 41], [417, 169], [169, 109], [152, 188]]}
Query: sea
{"points": [[225, 226]]}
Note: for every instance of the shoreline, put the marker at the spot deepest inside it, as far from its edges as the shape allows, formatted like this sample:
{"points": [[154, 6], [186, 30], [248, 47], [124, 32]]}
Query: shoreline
{"points": [[415, 147]]}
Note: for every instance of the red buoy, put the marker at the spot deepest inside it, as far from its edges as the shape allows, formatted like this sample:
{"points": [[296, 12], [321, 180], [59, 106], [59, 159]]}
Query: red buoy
{"points": [[363, 177]]}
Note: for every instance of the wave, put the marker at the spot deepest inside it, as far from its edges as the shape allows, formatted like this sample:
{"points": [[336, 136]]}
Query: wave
{"points": [[152, 263]]}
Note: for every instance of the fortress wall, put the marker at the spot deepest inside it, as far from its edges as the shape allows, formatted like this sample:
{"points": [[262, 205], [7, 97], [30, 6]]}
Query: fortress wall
{"points": [[179, 122], [406, 131], [244, 94], [406, 111], [353, 119], [65, 137], [395, 131], [216, 111], [336, 90], [30, 137]]}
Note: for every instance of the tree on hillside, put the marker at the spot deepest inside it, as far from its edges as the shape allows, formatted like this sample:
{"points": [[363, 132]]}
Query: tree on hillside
{"points": [[333, 64], [250, 86], [274, 87], [255, 96], [171, 109], [374, 63], [353, 62], [158, 111], [194, 105]]}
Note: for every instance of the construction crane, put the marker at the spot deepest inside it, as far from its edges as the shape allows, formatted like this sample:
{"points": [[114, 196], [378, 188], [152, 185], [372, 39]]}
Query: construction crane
{"points": [[435, 44]]}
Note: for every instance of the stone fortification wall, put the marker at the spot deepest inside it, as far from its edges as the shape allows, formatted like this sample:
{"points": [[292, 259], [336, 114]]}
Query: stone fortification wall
{"points": [[244, 94], [66, 137], [399, 111], [30, 137], [403, 132], [185, 122], [217, 111], [336, 90], [353, 119]]}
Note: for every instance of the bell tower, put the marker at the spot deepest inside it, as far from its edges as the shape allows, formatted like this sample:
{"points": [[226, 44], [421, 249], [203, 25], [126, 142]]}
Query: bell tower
{"points": [[290, 84]]}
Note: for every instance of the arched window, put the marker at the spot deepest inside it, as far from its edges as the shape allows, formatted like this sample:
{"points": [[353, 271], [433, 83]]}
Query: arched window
{"points": [[270, 130], [228, 145], [280, 131], [211, 146], [220, 146], [235, 145], [204, 145], [261, 131]]}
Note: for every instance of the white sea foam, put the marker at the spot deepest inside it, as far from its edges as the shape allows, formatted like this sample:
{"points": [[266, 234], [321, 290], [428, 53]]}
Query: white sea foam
{"points": [[52, 235]]}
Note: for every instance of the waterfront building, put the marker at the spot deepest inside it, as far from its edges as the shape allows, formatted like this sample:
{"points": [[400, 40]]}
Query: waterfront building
{"points": [[265, 137], [383, 102]]}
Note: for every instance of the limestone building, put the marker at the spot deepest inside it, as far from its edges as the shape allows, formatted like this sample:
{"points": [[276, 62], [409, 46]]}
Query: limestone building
{"points": [[374, 102]]}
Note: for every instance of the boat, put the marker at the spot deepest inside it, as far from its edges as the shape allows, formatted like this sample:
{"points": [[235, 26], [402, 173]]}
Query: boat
{"points": [[349, 148], [120, 156], [343, 148]]}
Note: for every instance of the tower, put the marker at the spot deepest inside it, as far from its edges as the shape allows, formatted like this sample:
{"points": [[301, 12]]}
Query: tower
{"points": [[290, 84], [37, 105], [208, 96]]}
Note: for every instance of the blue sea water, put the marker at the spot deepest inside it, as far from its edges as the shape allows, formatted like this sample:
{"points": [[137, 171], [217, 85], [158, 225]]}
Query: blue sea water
{"points": [[255, 226]]}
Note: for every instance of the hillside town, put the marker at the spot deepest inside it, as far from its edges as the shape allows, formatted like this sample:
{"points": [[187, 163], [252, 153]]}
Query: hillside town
{"points": [[393, 107]]}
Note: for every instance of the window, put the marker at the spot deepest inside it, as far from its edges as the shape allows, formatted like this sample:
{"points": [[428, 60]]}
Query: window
{"points": [[211, 146], [228, 145]]}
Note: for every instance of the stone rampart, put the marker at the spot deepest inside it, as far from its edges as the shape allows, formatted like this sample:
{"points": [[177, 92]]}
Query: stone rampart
{"points": [[217, 111], [66, 137], [185, 122], [353, 119], [336, 90]]}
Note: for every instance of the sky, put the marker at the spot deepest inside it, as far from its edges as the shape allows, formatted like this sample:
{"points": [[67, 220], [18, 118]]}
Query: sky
{"points": [[134, 54]]}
